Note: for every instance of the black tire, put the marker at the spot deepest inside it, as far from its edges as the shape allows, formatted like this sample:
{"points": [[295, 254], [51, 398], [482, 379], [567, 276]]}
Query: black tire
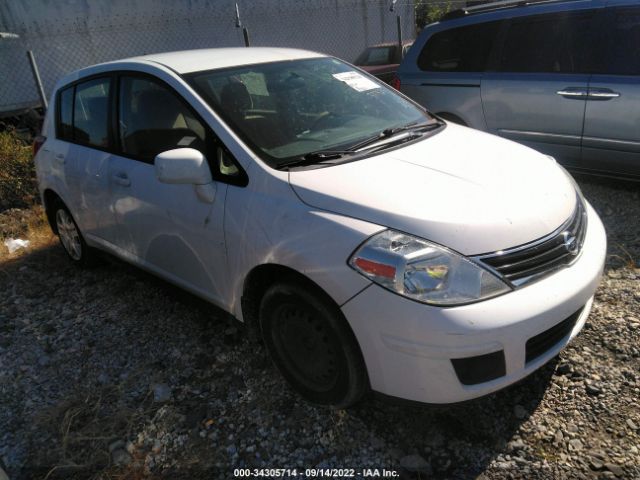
{"points": [[80, 254], [312, 345]]}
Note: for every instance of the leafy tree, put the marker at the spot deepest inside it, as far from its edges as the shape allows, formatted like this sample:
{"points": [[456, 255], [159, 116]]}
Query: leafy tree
{"points": [[429, 11]]}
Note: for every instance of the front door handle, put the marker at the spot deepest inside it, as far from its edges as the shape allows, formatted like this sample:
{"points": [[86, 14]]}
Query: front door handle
{"points": [[59, 158], [572, 92], [121, 179]]}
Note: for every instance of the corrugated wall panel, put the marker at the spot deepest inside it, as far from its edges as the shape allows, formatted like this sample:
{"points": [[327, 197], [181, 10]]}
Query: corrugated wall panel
{"points": [[69, 34]]}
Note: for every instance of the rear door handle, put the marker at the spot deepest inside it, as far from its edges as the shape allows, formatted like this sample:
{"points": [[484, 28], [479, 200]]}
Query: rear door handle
{"points": [[602, 94], [59, 158], [121, 179], [573, 92]]}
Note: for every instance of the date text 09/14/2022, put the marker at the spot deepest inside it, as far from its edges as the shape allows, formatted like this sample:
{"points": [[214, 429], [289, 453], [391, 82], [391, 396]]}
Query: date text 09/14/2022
{"points": [[315, 473]]}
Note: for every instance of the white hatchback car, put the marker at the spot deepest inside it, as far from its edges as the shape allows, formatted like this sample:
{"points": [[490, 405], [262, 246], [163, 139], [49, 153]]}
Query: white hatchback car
{"points": [[372, 245]]}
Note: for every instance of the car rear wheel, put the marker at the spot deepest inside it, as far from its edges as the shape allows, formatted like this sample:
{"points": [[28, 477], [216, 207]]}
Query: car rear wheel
{"points": [[71, 238], [312, 346]]}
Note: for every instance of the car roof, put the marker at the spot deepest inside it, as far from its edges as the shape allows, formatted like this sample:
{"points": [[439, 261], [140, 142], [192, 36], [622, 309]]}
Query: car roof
{"points": [[513, 8], [187, 61]]}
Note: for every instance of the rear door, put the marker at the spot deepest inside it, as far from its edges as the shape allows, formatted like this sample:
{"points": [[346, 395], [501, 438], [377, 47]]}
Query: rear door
{"points": [[611, 140], [538, 93], [92, 138], [80, 154]]}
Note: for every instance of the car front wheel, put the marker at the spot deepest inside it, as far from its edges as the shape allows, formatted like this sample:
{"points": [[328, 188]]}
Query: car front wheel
{"points": [[312, 346]]}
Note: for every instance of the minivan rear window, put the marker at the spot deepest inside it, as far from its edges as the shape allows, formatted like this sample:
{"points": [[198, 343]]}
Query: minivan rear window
{"points": [[462, 49], [625, 31], [555, 43]]}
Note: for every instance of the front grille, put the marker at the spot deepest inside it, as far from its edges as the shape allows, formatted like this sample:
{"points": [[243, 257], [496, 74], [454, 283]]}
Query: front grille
{"points": [[543, 342], [532, 261], [480, 369]]}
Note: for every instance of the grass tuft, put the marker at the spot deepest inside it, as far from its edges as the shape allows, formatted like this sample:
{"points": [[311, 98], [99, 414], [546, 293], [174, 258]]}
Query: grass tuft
{"points": [[18, 185]]}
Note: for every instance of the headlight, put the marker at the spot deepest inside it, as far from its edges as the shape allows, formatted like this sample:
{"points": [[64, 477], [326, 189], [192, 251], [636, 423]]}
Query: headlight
{"points": [[423, 271], [573, 182]]}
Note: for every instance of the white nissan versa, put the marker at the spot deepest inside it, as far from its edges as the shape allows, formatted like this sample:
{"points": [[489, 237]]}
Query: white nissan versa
{"points": [[371, 244]]}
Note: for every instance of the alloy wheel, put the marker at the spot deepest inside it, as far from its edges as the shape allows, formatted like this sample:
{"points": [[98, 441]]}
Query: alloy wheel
{"points": [[69, 235]]}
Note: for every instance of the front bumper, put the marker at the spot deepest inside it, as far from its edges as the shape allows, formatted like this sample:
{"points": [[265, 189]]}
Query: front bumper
{"points": [[408, 347]]}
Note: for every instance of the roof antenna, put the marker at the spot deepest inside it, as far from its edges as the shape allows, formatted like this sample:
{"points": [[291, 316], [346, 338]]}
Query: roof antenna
{"points": [[238, 22]]}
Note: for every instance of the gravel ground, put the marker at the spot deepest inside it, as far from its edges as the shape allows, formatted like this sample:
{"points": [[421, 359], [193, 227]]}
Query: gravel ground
{"points": [[110, 373]]}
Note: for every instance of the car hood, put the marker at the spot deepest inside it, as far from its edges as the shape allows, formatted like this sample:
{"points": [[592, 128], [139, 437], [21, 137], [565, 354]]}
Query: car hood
{"points": [[468, 190]]}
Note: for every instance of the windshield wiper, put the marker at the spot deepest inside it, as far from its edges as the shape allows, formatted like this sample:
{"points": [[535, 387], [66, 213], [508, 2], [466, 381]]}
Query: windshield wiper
{"points": [[390, 132], [321, 156], [316, 158]]}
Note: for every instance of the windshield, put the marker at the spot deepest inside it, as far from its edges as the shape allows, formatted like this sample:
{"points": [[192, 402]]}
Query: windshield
{"points": [[286, 110]]}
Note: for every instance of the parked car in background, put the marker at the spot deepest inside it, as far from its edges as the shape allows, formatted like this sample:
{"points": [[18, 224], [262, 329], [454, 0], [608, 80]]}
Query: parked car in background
{"points": [[382, 60], [370, 244], [561, 76]]}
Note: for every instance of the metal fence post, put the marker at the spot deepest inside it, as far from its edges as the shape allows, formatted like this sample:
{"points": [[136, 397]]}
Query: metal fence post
{"points": [[392, 7], [245, 34], [36, 77], [245, 31], [399, 21]]}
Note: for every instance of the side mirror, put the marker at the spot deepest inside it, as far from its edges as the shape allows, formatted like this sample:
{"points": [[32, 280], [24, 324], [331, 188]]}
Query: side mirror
{"points": [[183, 165]]}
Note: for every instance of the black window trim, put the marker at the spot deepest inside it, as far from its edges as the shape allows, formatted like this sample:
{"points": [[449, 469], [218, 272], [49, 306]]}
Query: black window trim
{"points": [[114, 147]]}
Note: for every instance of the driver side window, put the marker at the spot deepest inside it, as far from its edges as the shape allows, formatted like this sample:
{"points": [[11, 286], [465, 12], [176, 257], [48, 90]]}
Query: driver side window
{"points": [[153, 120]]}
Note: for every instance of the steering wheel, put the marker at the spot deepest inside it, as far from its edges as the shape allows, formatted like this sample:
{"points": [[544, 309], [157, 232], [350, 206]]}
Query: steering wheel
{"points": [[323, 118]]}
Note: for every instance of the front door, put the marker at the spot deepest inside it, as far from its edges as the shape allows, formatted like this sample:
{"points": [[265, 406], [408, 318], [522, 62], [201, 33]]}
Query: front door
{"points": [[174, 230], [538, 94]]}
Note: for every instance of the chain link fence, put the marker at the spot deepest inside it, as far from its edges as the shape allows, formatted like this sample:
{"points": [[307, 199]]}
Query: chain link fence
{"points": [[65, 36]]}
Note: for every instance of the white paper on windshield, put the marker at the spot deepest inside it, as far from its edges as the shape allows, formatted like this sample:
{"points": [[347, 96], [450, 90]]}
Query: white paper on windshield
{"points": [[356, 81]]}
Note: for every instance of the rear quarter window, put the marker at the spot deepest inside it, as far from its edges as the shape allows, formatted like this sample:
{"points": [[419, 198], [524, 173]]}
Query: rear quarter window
{"points": [[64, 128], [624, 40], [462, 49]]}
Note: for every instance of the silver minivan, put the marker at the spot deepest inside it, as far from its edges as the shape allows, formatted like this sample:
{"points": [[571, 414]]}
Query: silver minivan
{"points": [[560, 76]]}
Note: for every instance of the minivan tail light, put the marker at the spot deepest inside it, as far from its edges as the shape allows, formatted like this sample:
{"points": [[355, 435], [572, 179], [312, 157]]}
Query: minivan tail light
{"points": [[395, 82], [37, 143]]}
